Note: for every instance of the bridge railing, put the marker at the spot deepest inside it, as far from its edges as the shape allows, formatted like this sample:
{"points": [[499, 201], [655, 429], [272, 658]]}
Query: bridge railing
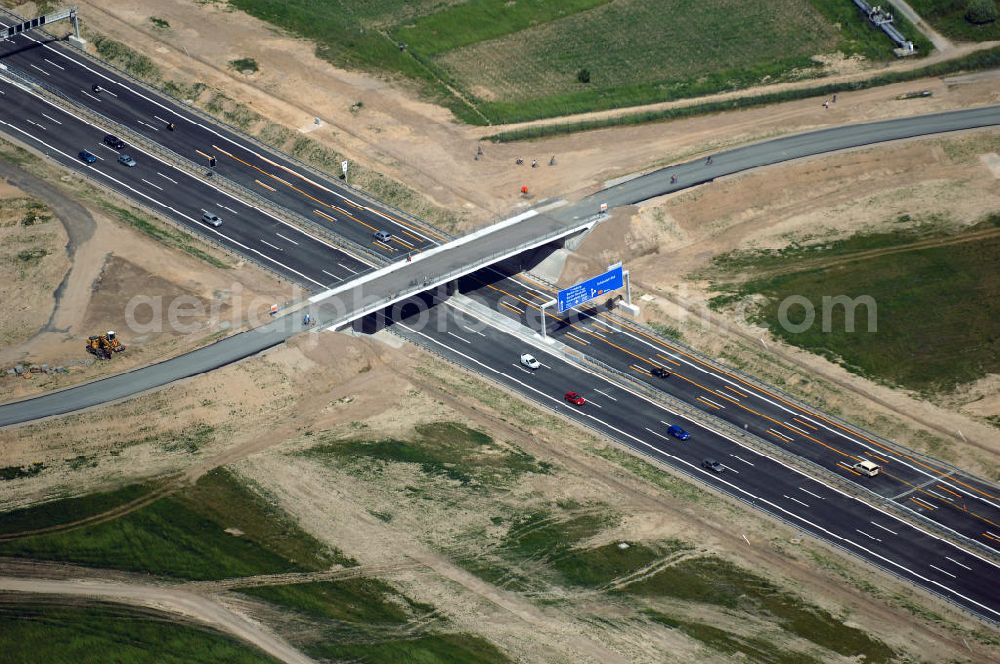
{"points": [[430, 282]]}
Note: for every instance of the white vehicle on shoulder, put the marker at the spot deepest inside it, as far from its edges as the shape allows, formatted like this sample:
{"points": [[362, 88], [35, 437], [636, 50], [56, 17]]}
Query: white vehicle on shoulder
{"points": [[530, 361]]}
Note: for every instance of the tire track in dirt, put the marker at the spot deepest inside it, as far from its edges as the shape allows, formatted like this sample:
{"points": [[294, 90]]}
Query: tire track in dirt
{"points": [[930, 243], [95, 519], [166, 600]]}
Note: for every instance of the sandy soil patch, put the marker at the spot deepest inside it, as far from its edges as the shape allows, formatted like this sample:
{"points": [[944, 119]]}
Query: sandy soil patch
{"points": [[101, 274], [263, 411], [421, 145], [33, 262], [667, 243]]}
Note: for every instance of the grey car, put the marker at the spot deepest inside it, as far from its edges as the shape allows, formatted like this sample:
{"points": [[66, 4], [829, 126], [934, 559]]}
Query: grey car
{"points": [[383, 236], [127, 160], [713, 465]]}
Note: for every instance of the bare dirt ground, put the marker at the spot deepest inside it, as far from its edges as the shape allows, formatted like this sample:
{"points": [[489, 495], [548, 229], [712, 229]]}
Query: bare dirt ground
{"points": [[264, 411], [421, 145], [669, 242], [95, 267]]}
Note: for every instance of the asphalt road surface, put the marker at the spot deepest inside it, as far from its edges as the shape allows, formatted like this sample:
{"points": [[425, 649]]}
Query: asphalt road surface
{"points": [[943, 494], [758, 480], [62, 68], [281, 247], [969, 581]]}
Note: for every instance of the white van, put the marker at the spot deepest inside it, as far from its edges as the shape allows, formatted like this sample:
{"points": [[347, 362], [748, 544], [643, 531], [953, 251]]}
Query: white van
{"points": [[866, 467]]}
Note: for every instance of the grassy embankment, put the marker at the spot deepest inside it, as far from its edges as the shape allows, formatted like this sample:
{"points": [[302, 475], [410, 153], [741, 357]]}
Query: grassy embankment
{"points": [[948, 18], [936, 300], [559, 553], [493, 61], [34, 631], [219, 529]]}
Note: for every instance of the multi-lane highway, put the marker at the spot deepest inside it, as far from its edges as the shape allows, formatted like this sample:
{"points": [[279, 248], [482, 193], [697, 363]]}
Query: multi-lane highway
{"points": [[475, 342], [63, 69], [246, 229], [946, 496], [965, 505]]}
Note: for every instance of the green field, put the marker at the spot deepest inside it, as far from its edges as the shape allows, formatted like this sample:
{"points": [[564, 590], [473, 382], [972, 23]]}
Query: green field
{"points": [[96, 632], [184, 535], [715, 581], [938, 308], [366, 620], [496, 61], [948, 18], [441, 449], [68, 510]]}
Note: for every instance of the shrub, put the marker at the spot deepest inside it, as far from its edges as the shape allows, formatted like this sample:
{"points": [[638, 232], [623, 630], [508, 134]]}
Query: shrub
{"points": [[244, 65], [583, 76], [981, 12], [161, 23]]}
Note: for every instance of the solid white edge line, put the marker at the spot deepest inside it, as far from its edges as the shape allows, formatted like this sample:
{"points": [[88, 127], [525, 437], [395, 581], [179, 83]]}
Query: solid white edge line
{"points": [[732, 486]]}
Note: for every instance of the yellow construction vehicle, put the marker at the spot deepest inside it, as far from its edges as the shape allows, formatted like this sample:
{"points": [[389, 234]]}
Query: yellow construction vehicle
{"points": [[103, 345]]}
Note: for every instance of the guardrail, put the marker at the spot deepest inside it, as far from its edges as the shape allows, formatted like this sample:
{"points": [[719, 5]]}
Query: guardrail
{"points": [[798, 403], [195, 170], [193, 110], [807, 466], [699, 481], [416, 286], [159, 214]]}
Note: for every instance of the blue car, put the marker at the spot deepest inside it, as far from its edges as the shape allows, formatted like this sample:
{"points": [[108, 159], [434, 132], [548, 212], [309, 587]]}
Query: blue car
{"points": [[678, 432], [88, 157]]}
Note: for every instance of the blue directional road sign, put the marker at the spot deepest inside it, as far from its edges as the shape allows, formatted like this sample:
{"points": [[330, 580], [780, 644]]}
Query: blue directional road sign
{"points": [[585, 291]]}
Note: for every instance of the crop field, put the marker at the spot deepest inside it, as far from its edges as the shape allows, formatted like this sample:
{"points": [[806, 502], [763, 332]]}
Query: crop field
{"points": [[494, 61], [948, 18], [937, 311], [638, 51], [182, 535], [45, 632]]}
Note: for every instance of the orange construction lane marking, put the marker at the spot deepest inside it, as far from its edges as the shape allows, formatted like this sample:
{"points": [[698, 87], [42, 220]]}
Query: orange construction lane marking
{"points": [[708, 403], [944, 488], [347, 200], [805, 424], [804, 410], [733, 389], [743, 406], [296, 189], [849, 469]]}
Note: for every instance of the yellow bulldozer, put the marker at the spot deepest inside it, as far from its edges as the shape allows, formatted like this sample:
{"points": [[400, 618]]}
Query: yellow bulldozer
{"points": [[104, 345]]}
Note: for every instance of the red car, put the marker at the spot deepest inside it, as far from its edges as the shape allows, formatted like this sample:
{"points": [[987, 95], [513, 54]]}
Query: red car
{"points": [[575, 399]]}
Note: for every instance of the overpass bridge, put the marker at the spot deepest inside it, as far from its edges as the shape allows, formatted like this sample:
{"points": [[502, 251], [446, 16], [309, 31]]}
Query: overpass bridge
{"points": [[444, 264], [439, 267]]}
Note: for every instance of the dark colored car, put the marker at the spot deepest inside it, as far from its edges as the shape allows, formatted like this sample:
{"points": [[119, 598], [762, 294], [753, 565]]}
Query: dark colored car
{"points": [[96, 87], [87, 156], [114, 142], [660, 372], [713, 465], [678, 432], [574, 398]]}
